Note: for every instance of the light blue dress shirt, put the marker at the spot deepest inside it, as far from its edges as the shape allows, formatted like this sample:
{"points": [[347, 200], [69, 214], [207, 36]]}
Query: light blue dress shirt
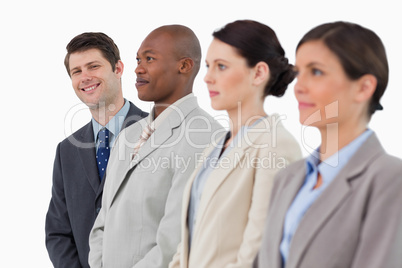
{"points": [[114, 125], [307, 195]]}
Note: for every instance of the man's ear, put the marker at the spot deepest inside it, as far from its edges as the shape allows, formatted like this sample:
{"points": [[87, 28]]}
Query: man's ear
{"points": [[119, 68], [186, 65], [367, 86], [261, 74]]}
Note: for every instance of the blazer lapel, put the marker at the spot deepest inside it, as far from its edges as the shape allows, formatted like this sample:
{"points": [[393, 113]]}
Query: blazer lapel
{"points": [[162, 133], [186, 202], [332, 197], [236, 158], [293, 182], [87, 156], [325, 205], [134, 115], [157, 139]]}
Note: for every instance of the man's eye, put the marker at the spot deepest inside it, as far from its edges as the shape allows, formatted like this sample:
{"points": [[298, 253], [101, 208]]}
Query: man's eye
{"points": [[76, 72], [138, 60], [150, 58]]}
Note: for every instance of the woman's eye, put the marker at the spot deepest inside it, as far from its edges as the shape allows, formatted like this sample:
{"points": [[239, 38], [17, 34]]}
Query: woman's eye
{"points": [[316, 72], [221, 67]]}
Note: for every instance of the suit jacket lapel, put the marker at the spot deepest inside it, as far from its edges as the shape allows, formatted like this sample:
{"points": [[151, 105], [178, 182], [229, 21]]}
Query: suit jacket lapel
{"points": [[236, 158], [158, 138], [186, 202], [332, 197], [134, 114], [325, 205], [292, 184], [162, 133], [87, 156]]}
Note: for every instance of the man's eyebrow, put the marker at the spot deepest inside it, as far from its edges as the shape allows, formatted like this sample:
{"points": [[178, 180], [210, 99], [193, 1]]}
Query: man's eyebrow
{"points": [[86, 64], [148, 51]]}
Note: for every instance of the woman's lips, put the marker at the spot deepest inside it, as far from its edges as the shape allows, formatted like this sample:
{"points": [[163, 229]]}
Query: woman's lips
{"points": [[213, 93], [305, 105]]}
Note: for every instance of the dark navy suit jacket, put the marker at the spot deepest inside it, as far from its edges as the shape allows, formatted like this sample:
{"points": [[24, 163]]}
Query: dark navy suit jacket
{"points": [[76, 196]]}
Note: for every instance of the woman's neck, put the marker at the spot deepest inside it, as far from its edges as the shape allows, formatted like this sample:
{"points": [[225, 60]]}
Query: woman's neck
{"points": [[244, 117], [334, 137]]}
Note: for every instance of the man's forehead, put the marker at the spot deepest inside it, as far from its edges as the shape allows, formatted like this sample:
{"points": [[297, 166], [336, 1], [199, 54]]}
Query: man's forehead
{"points": [[156, 44], [87, 55]]}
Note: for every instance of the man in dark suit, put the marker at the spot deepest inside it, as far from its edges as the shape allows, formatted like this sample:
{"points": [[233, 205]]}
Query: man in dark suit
{"points": [[94, 66]]}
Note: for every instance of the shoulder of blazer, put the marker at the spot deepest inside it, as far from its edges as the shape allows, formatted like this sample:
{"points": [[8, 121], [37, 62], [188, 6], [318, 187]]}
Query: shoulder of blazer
{"points": [[134, 115], [180, 112], [372, 157], [82, 135], [294, 169]]}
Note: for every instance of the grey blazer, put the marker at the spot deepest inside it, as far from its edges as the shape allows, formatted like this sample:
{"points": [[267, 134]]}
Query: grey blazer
{"points": [[139, 223], [76, 196], [353, 224]]}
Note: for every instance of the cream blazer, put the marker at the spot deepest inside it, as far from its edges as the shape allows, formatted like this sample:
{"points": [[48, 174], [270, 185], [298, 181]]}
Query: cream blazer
{"points": [[234, 203]]}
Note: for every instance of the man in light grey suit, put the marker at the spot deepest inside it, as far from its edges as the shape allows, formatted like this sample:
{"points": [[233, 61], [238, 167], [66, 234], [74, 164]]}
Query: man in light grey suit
{"points": [[139, 223]]}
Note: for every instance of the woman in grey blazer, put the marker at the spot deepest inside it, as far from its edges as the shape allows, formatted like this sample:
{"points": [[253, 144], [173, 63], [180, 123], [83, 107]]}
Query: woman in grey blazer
{"points": [[341, 206]]}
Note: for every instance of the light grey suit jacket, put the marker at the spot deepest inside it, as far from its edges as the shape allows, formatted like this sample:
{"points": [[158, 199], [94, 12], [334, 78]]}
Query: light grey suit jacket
{"points": [[139, 223], [353, 224]]}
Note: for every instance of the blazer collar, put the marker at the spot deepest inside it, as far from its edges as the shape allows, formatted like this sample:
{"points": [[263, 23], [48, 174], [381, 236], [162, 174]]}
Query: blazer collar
{"points": [[293, 180], [87, 156], [236, 158], [332, 197], [87, 153], [164, 130], [157, 140]]}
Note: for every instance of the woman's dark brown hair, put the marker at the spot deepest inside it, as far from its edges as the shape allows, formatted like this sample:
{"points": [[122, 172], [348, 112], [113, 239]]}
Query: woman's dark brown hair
{"points": [[360, 51], [257, 42]]}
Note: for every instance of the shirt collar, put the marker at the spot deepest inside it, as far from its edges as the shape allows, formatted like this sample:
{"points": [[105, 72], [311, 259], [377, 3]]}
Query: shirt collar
{"points": [[334, 164], [156, 122], [115, 123]]}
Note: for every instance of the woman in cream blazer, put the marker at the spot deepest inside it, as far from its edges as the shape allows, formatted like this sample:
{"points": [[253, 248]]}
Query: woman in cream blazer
{"points": [[226, 199], [341, 206]]}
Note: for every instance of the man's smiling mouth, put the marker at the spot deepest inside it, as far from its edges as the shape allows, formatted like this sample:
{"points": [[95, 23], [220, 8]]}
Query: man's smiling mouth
{"points": [[90, 88]]}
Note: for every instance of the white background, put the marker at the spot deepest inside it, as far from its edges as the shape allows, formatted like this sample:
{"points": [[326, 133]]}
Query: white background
{"points": [[37, 95]]}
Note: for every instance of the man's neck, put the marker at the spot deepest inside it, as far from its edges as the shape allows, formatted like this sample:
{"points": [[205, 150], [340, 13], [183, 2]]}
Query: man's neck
{"points": [[159, 107], [104, 114]]}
